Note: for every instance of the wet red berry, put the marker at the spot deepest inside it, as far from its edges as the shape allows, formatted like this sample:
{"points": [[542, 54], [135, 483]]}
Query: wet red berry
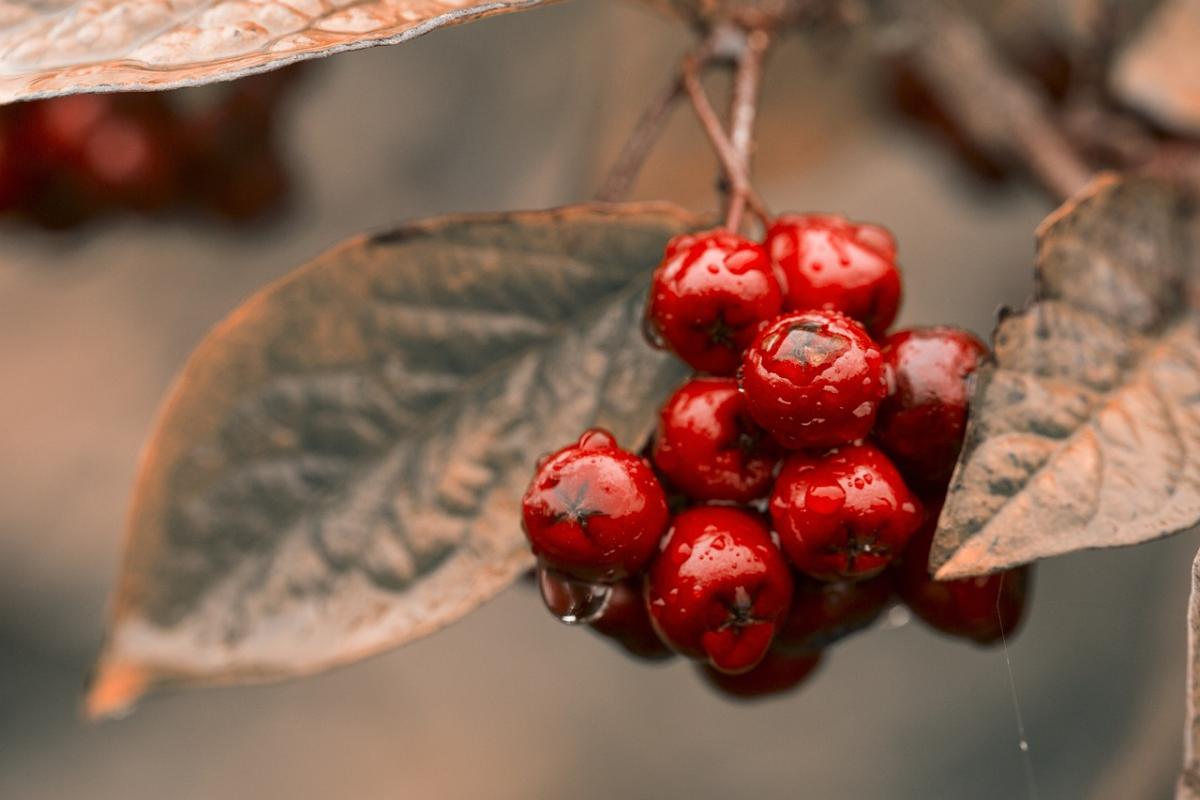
{"points": [[775, 674], [984, 609], [709, 297], [595, 511], [58, 129], [831, 263], [823, 612], [719, 587], [708, 446], [846, 514], [625, 621], [14, 171], [813, 379], [130, 159], [922, 421]]}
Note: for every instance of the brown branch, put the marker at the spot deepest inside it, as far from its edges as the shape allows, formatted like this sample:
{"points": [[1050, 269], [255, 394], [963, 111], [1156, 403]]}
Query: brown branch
{"points": [[1004, 113], [649, 127], [1119, 140], [744, 109], [732, 164]]}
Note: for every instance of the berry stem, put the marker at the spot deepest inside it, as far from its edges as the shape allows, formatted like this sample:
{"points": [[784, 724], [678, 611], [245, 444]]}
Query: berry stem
{"points": [[743, 111], [650, 125], [742, 194]]}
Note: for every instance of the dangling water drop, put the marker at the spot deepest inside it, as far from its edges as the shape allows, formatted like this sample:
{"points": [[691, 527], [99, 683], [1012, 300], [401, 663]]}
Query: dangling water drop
{"points": [[896, 617], [653, 336], [571, 600]]}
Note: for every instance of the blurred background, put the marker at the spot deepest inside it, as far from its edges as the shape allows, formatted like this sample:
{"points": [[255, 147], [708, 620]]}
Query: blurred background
{"points": [[98, 313]]}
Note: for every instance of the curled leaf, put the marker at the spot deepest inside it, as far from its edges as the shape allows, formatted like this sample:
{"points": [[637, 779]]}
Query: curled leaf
{"points": [[58, 48], [1085, 431], [339, 468]]}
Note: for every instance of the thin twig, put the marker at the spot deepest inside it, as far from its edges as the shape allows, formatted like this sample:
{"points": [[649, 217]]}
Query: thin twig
{"points": [[1001, 111], [743, 111], [648, 129], [731, 163]]}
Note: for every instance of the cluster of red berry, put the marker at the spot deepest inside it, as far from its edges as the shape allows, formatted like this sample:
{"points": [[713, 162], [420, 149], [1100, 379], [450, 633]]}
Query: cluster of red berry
{"points": [[67, 160], [792, 488]]}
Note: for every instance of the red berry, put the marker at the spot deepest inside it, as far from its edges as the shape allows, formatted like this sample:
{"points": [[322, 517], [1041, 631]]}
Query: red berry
{"points": [[234, 170], [922, 421], [626, 621], [775, 674], [829, 262], [251, 191], [813, 379], [59, 128], [845, 514], [595, 511], [130, 158], [14, 171], [709, 447], [823, 612], [984, 609], [709, 297], [719, 587]]}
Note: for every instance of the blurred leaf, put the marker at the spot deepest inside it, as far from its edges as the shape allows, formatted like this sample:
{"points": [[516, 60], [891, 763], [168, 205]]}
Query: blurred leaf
{"points": [[1085, 431], [59, 48], [1158, 72], [339, 468]]}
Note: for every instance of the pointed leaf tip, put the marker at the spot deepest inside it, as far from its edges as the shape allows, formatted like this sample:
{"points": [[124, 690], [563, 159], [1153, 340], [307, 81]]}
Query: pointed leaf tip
{"points": [[339, 468], [1083, 430]]}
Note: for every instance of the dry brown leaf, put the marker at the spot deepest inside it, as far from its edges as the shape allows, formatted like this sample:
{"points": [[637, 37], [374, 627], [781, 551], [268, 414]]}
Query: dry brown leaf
{"points": [[1085, 431], [339, 468], [105, 45], [1158, 72]]}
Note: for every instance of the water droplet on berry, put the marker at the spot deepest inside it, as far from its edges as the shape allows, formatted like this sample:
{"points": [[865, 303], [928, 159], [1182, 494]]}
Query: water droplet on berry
{"points": [[572, 600], [824, 498], [597, 439], [896, 617], [876, 238], [652, 334]]}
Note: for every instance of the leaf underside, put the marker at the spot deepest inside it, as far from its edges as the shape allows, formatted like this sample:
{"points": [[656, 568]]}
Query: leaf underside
{"points": [[339, 467], [1085, 429], [57, 48]]}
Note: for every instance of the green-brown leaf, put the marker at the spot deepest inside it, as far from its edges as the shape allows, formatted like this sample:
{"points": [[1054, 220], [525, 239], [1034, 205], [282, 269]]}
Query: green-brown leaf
{"points": [[1085, 431], [339, 468]]}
